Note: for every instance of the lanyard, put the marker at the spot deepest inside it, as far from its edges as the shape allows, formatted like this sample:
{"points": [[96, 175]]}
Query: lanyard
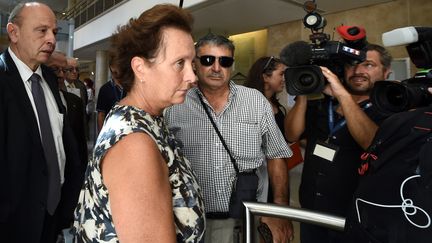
{"points": [[335, 127]]}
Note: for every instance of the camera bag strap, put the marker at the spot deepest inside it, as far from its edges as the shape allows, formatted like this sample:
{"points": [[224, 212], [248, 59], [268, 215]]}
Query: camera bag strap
{"points": [[233, 161]]}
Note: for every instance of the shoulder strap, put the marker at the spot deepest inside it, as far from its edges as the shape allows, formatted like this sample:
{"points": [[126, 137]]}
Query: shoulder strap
{"points": [[218, 133]]}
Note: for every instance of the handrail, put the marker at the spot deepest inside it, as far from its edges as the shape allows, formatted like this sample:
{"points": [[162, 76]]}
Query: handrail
{"points": [[86, 10], [296, 214], [77, 8]]}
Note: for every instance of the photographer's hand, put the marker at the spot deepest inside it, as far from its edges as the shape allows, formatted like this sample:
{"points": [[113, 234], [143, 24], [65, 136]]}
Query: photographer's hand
{"points": [[334, 87], [360, 126]]}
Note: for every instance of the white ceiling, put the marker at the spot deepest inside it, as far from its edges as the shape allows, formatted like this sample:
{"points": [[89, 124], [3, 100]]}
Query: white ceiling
{"points": [[239, 16], [229, 16], [57, 5]]}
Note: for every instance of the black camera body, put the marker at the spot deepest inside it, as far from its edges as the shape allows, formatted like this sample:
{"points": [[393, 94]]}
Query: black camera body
{"points": [[397, 96], [308, 79], [303, 75], [305, 79]]}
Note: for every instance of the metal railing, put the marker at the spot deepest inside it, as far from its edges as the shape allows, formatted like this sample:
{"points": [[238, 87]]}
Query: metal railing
{"points": [[296, 214], [86, 10]]}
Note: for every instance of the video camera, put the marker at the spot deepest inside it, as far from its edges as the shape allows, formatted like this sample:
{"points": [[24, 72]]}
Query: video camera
{"points": [[391, 97], [303, 75]]}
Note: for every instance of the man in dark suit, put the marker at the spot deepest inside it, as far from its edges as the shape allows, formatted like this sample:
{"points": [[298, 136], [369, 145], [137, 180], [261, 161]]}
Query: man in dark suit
{"points": [[75, 114], [75, 109], [33, 133], [72, 82]]}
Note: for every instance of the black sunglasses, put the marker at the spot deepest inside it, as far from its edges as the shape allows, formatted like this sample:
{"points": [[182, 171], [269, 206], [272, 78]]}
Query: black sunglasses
{"points": [[224, 61]]}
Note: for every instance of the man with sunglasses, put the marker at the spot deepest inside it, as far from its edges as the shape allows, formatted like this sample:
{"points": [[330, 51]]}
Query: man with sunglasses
{"points": [[245, 120]]}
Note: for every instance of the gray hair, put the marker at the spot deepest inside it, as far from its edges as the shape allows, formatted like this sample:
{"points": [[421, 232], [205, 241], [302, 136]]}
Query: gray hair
{"points": [[385, 56], [217, 40], [15, 13]]}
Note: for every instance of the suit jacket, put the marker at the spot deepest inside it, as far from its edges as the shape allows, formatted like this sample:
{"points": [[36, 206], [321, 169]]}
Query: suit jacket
{"points": [[23, 170], [76, 115], [83, 90]]}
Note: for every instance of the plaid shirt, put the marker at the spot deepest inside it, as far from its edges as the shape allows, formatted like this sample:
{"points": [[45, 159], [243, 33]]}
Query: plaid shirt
{"points": [[248, 127]]}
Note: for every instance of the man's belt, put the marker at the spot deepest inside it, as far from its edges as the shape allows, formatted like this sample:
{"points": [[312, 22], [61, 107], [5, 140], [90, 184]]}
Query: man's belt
{"points": [[217, 215]]}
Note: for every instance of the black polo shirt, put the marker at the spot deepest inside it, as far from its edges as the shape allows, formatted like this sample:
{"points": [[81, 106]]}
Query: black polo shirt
{"points": [[329, 186], [109, 94]]}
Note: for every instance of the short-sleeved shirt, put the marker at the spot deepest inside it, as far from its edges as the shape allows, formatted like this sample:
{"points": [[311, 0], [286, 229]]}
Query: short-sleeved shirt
{"points": [[109, 94], [93, 219], [248, 127], [328, 186]]}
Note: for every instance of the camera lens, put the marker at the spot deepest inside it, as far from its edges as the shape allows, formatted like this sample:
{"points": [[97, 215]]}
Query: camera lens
{"points": [[307, 81], [390, 96], [396, 95], [304, 80]]}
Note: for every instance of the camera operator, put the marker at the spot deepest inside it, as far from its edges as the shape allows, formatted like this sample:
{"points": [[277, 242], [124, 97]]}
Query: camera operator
{"points": [[393, 199], [337, 128]]}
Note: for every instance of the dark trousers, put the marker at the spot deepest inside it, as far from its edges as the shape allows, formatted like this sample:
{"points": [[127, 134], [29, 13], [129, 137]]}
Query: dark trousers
{"points": [[312, 234], [49, 231]]}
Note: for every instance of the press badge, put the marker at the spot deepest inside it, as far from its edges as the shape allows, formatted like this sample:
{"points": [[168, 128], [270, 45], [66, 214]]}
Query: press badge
{"points": [[325, 150]]}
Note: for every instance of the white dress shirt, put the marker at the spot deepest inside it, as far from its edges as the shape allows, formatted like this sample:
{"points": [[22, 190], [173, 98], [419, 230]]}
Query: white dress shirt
{"points": [[55, 117]]}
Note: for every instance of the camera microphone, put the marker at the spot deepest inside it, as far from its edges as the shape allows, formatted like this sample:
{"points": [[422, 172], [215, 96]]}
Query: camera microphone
{"points": [[296, 54], [419, 40], [406, 35]]}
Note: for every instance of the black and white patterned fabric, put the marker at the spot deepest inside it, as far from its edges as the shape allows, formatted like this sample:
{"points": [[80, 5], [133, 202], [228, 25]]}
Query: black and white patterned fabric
{"points": [[93, 220], [249, 129]]}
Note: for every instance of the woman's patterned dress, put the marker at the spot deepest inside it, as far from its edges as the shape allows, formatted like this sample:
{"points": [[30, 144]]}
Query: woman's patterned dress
{"points": [[93, 220]]}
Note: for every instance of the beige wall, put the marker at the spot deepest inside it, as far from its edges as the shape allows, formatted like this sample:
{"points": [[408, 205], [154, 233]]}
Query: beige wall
{"points": [[249, 47], [376, 19]]}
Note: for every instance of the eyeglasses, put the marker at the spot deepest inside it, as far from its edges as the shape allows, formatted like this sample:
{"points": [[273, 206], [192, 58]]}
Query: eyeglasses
{"points": [[208, 60], [268, 63], [71, 69], [57, 69]]}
